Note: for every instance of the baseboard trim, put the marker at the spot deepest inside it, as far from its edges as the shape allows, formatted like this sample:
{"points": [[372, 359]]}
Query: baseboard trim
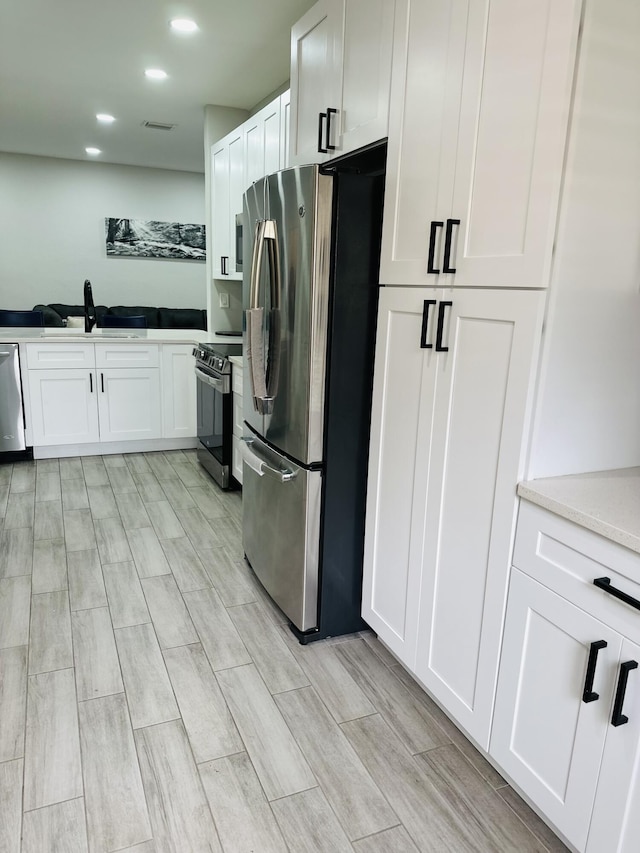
{"points": [[107, 447]]}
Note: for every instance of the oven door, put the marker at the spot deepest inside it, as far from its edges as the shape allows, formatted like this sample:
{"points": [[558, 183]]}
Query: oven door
{"points": [[215, 423]]}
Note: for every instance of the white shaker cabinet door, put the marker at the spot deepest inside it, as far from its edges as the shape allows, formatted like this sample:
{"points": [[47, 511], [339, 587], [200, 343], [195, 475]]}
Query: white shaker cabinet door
{"points": [[404, 389], [178, 391], [365, 73], [63, 406], [514, 115], [545, 736], [485, 381], [424, 114], [220, 204], [129, 404], [314, 84], [615, 826], [480, 99]]}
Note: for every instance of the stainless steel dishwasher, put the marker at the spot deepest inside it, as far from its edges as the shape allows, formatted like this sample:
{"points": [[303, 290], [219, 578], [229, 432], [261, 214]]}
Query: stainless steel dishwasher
{"points": [[11, 412]]}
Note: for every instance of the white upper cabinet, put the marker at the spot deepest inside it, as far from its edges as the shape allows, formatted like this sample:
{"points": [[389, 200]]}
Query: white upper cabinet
{"points": [[479, 110], [452, 390], [285, 124], [227, 179], [340, 78]]}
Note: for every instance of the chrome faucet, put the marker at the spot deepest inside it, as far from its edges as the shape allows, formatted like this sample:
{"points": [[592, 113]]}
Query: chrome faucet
{"points": [[89, 307]]}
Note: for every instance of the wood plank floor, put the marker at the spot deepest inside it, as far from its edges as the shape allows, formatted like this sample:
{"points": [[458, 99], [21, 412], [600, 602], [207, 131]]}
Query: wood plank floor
{"points": [[153, 699]]}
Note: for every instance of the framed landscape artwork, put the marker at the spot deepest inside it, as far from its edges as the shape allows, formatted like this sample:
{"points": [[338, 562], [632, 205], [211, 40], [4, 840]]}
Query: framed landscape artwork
{"points": [[141, 238]]}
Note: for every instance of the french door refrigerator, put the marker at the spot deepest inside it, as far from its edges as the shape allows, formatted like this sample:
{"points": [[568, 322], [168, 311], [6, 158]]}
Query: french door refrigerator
{"points": [[312, 241]]}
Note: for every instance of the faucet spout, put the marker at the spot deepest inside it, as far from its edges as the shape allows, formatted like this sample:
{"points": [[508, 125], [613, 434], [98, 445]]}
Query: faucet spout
{"points": [[89, 307]]}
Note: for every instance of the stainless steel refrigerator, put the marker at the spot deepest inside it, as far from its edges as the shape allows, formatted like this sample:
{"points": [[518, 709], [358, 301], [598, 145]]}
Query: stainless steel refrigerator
{"points": [[310, 298]]}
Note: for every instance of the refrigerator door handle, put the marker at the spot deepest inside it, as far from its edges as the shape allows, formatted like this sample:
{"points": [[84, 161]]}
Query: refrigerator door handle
{"points": [[261, 467], [264, 377]]}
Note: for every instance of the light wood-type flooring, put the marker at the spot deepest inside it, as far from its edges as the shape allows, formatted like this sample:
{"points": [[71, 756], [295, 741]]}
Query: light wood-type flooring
{"points": [[153, 699]]}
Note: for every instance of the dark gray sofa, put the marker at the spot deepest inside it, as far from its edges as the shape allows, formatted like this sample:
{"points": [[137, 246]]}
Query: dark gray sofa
{"points": [[157, 318]]}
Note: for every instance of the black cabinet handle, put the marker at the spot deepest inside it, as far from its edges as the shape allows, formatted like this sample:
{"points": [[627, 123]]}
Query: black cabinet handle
{"points": [[618, 718], [102, 382], [605, 585], [588, 694], [321, 119], [431, 270], [328, 145], [441, 309], [224, 265], [425, 323], [447, 246], [91, 383]]}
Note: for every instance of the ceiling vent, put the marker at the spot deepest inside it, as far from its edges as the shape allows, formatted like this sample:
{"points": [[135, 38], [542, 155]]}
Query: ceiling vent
{"points": [[158, 125]]}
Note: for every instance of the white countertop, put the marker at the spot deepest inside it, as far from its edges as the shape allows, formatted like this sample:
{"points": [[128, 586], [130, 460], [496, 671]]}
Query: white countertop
{"points": [[237, 360], [607, 502], [160, 336]]}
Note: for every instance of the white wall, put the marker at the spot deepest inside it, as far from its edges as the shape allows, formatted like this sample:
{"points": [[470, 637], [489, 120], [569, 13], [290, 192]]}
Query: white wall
{"points": [[52, 233], [588, 414]]}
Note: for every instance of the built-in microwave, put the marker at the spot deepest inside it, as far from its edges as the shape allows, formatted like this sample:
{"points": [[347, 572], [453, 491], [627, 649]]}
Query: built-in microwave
{"points": [[239, 222]]}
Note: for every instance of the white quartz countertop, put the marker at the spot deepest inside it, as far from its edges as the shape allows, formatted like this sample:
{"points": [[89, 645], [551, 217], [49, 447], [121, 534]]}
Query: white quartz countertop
{"points": [[159, 336], [607, 502], [238, 360]]}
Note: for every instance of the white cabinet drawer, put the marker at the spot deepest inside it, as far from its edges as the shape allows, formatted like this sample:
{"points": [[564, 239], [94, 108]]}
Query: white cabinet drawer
{"points": [[127, 355], [237, 415], [236, 379], [48, 356], [568, 558]]}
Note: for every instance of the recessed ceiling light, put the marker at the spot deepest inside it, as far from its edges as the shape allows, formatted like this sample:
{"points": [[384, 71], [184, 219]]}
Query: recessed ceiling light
{"points": [[183, 25], [155, 73], [105, 117], [93, 151]]}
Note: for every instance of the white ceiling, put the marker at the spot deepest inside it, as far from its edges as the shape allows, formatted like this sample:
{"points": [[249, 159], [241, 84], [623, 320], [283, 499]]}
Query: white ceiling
{"points": [[63, 61]]}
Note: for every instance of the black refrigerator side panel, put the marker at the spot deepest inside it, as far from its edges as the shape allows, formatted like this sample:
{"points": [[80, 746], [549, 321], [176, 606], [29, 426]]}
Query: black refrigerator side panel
{"points": [[353, 312]]}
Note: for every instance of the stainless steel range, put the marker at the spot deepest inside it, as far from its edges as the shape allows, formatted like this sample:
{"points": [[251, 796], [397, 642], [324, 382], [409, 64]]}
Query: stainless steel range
{"points": [[215, 409]]}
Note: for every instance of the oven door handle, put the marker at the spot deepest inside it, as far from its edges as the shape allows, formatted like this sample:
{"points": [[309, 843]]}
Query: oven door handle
{"points": [[261, 467], [221, 385]]}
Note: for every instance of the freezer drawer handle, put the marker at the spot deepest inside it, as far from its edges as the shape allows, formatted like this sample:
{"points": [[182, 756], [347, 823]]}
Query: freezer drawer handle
{"points": [[618, 718], [605, 585], [261, 467], [589, 694]]}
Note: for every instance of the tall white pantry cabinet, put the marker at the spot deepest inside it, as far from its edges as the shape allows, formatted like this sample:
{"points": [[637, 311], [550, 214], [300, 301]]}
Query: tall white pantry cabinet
{"points": [[480, 102]]}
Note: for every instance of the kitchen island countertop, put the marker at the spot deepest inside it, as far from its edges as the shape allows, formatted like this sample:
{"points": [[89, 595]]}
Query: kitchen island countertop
{"points": [[607, 502]]}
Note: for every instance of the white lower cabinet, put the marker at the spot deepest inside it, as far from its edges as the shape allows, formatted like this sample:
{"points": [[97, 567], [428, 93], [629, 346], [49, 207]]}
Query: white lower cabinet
{"points": [[178, 391], [63, 406], [452, 385], [150, 396], [566, 727], [129, 404]]}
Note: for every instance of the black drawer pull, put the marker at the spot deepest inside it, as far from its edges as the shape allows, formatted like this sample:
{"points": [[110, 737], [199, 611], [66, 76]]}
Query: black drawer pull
{"points": [[321, 118], [425, 323], [439, 331], [589, 694], [618, 718], [447, 246], [605, 585], [328, 145], [102, 382], [431, 270]]}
